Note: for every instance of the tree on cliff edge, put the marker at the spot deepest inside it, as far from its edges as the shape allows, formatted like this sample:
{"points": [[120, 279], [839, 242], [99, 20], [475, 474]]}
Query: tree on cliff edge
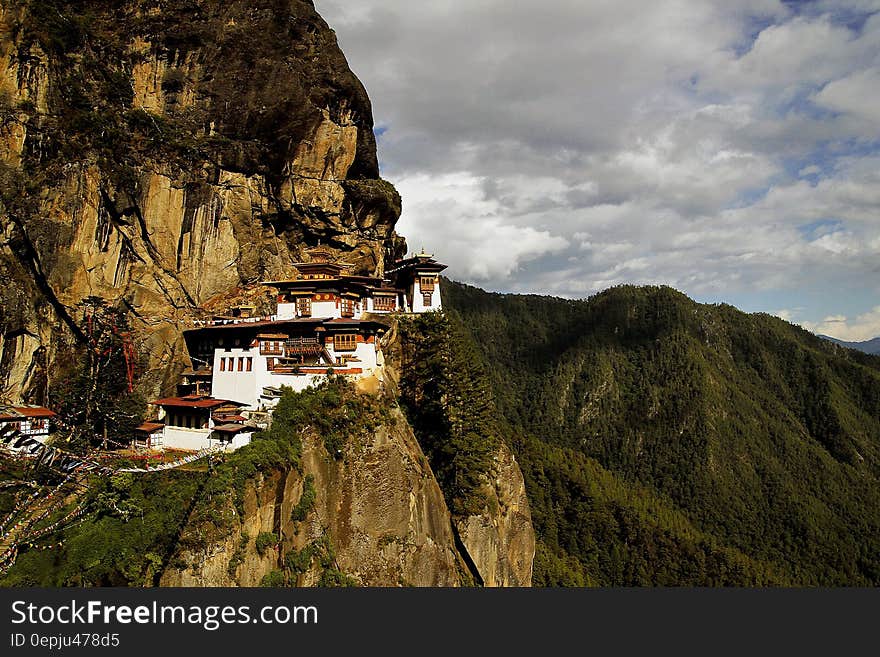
{"points": [[96, 397]]}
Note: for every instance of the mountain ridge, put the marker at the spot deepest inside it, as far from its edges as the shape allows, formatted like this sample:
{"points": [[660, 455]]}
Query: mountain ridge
{"points": [[763, 436]]}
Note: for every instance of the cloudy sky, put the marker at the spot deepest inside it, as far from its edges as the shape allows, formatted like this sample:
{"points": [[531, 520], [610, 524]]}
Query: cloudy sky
{"points": [[729, 149]]}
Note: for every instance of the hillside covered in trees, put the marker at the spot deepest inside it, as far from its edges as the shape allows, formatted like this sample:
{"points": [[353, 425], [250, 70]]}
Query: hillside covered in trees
{"points": [[668, 442]]}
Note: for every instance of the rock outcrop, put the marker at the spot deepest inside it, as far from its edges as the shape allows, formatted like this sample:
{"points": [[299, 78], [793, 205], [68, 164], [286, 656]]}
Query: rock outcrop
{"points": [[378, 510], [500, 541], [163, 154]]}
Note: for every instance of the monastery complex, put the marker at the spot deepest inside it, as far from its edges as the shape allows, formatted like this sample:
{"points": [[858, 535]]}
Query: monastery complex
{"points": [[326, 323]]}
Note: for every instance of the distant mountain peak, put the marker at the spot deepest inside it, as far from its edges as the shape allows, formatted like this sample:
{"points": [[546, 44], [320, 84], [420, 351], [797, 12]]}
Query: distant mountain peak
{"points": [[871, 346]]}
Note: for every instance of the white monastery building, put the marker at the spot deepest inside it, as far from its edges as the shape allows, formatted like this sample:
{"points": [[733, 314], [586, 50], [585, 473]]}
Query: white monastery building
{"points": [[325, 323]]}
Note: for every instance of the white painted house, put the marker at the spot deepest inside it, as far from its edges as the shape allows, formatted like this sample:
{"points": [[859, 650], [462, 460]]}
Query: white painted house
{"points": [[197, 422]]}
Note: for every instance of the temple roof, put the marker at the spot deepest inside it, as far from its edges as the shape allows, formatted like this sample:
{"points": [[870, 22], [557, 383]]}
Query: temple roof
{"points": [[422, 261], [195, 401], [295, 324], [337, 280], [232, 428], [150, 427], [20, 412]]}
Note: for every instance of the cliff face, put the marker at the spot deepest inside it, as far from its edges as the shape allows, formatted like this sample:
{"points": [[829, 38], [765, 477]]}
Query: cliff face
{"points": [[161, 154], [376, 513], [500, 541], [168, 156], [495, 538]]}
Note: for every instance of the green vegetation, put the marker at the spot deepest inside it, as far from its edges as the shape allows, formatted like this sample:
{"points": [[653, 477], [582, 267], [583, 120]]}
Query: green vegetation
{"points": [[137, 523], [448, 400], [237, 557], [133, 522], [266, 540], [306, 502], [332, 409], [667, 442], [319, 552], [273, 579], [94, 394]]}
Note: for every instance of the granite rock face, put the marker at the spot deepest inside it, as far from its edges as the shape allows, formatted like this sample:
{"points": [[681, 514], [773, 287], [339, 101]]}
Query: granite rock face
{"points": [[377, 508], [164, 154], [500, 541]]}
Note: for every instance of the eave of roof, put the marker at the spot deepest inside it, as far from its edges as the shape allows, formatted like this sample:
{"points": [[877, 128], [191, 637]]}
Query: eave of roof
{"points": [[209, 402], [231, 428], [150, 426], [34, 411]]}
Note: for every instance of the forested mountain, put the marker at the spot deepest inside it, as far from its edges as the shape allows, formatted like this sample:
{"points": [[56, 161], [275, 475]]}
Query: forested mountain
{"points": [[669, 442]]}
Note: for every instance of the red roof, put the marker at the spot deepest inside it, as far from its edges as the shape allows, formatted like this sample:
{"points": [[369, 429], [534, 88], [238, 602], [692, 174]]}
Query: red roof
{"points": [[231, 428], [150, 427], [27, 411], [194, 402]]}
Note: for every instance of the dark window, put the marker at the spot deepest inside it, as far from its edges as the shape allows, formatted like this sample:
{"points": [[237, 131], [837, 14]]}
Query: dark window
{"points": [[304, 306]]}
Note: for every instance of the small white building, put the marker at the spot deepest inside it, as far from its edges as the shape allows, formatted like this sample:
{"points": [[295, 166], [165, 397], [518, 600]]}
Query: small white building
{"points": [[197, 422], [31, 421], [418, 279]]}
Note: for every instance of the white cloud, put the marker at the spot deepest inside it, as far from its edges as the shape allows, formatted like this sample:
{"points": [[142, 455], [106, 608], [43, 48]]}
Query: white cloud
{"points": [[857, 94], [451, 211], [563, 146], [861, 328]]}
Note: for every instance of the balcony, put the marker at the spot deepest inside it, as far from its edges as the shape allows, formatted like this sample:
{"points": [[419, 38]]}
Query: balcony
{"points": [[300, 346]]}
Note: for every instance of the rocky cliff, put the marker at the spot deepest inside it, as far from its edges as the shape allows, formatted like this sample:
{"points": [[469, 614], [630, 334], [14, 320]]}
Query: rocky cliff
{"points": [[378, 509], [500, 541], [372, 514], [162, 154], [168, 156]]}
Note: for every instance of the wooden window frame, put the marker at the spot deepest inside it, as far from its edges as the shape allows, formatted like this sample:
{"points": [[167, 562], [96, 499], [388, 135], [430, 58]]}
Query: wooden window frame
{"points": [[345, 342], [384, 303]]}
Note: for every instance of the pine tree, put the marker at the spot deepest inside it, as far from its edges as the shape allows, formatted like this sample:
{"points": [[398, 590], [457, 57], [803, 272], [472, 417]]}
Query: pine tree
{"points": [[97, 400]]}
